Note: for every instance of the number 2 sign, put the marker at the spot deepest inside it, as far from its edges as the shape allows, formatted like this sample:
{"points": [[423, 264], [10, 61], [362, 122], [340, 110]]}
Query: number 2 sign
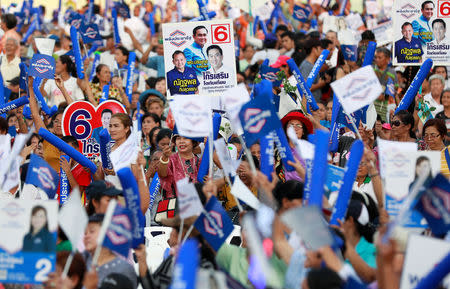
{"points": [[443, 9]]}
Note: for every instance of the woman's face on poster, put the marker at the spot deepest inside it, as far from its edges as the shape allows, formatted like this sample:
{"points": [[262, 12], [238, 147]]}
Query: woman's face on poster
{"points": [[38, 220], [423, 168]]}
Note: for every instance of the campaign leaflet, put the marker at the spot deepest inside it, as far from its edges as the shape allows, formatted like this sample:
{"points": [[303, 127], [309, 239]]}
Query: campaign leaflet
{"points": [[28, 243], [421, 31], [84, 121], [401, 169], [199, 57]]}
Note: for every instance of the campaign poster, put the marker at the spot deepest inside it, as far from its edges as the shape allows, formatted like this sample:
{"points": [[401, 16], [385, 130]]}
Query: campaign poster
{"points": [[28, 243], [401, 171], [199, 57], [421, 31], [84, 121], [422, 255]]}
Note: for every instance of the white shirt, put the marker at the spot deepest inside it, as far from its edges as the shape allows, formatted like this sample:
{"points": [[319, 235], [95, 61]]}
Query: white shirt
{"points": [[55, 96], [432, 103], [9, 69], [271, 54], [139, 31]]}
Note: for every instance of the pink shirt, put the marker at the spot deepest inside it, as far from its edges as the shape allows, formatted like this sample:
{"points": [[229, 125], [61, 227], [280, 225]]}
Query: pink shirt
{"points": [[177, 169]]}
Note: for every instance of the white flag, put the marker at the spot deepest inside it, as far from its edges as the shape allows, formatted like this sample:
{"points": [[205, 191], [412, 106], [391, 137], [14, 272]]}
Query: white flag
{"points": [[126, 153], [45, 45], [240, 191], [73, 218], [188, 201], [357, 89], [192, 115], [224, 156], [233, 99], [10, 167]]}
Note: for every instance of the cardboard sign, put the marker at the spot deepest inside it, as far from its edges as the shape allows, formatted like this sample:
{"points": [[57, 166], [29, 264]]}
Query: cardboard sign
{"points": [[28, 244], [42, 66], [84, 121], [202, 63], [428, 41], [422, 254]]}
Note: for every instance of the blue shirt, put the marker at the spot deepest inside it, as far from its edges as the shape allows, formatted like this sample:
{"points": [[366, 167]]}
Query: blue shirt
{"points": [[182, 82], [156, 63], [196, 58], [422, 30], [367, 252], [408, 52]]}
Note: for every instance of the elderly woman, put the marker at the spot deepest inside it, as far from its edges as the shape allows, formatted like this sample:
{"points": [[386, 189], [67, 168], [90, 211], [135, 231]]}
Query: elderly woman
{"points": [[403, 129], [445, 114], [434, 132], [302, 127]]}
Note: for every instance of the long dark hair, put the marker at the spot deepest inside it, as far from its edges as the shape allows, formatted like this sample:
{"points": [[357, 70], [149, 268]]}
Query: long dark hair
{"points": [[34, 211], [420, 160], [97, 70], [125, 120], [407, 118], [70, 66]]}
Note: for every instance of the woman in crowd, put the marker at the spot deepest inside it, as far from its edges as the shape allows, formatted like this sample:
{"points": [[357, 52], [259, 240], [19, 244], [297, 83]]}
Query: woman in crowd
{"points": [[103, 77], [149, 122], [445, 114], [434, 133], [176, 166], [403, 128], [152, 138]]}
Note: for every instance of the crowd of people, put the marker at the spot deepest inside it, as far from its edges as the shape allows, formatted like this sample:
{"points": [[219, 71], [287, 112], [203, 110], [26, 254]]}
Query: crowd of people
{"points": [[170, 157]]}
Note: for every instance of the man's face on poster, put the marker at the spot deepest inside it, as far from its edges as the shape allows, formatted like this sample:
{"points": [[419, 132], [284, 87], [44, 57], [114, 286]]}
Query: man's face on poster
{"points": [[407, 32], [106, 117], [439, 31], [179, 61], [215, 58], [201, 36], [427, 11]]}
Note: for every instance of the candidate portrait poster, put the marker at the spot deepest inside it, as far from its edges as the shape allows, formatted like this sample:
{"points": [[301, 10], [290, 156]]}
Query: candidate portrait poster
{"points": [[421, 31], [401, 169], [199, 57], [28, 243]]}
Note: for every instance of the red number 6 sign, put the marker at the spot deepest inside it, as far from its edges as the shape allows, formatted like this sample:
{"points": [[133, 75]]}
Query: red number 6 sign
{"points": [[443, 8], [220, 33]]}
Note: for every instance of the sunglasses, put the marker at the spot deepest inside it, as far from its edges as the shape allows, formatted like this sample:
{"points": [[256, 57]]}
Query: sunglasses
{"points": [[396, 123]]}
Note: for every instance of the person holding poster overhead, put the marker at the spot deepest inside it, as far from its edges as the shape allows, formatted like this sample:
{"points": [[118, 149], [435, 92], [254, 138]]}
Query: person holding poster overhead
{"points": [[421, 26], [39, 239], [408, 49], [195, 53], [182, 79]]}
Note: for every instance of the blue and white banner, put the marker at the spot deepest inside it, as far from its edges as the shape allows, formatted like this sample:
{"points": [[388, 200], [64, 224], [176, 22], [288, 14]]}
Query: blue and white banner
{"points": [[301, 14], [155, 186], [267, 155], [90, 33], [23, 78], [77, 52], [350, 52], [316, 68], [18, 102], [214, 224], [42, 66], [270, 73], [301, 85], [130, 74], [119, 234], [357, 89], [64, 185], [42, 175], [133, 201], [28, 245], [319, 169], [192, 115]]}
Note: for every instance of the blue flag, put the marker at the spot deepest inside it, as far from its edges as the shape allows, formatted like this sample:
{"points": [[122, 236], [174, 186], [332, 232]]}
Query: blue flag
{"points": [[301, 14], [270, 74], [155, 186], [122, 9], [74, 19], [434, 205], [118, 236], [267, 152], [214, 224], [185, 271], [350, 52], [42, 175], [390, 88], [42, 66], [344, 119], [258, 116], [23, 78], [90, 33]]}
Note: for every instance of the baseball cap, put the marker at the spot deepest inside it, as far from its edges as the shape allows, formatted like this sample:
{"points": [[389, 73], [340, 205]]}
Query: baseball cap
{"points": [[116, 280], [96, 189], [282, 60]]}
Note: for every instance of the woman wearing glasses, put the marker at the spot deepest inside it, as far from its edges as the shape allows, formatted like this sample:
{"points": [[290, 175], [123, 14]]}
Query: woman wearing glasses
{"points": [[434, 132], [176, 166], [403, 129]]}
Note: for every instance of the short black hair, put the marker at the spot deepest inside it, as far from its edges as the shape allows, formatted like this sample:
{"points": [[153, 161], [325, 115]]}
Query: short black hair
{"points": [[384, 50], [324, 43], [3, 125], [71, 140], [281, 28], [198, 28], [124, 51], [291, 189], [175, 54], [163, 133], [106, 110], [214, 47], [154, 116], [310, 44], [427, 2], [10, 20], [368, 35], [406, 24], [438, 20], [289, 34]]}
